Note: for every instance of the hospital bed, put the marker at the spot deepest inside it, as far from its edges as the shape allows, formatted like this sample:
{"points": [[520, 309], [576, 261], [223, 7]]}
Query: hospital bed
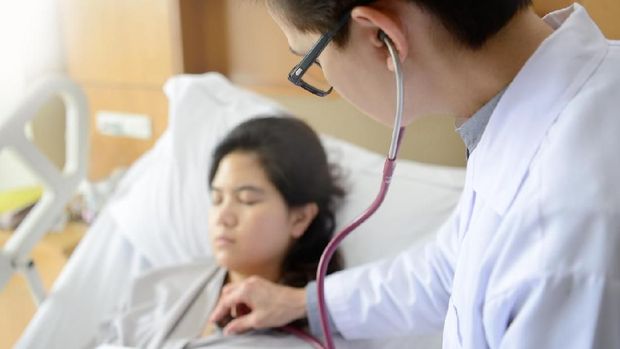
{"points": [[59, 184], [157, 215]]}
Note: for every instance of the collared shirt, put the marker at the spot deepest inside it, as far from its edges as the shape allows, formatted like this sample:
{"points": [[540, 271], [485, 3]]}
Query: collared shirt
{"points": [[472, 129], [168, 308]]}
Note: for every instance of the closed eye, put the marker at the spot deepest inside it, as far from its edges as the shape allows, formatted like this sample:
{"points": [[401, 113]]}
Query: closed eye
{"points": [[216, 197], [249, 202], [249, 198], [250, 195]]}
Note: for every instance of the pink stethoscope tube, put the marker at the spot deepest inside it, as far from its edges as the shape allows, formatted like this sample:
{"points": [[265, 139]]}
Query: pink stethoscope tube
{"points": [[388, 170], [315, 343]]}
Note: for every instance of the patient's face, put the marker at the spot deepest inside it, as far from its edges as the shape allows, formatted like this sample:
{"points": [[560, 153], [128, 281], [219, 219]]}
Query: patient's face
{"points": [[249, 222]]}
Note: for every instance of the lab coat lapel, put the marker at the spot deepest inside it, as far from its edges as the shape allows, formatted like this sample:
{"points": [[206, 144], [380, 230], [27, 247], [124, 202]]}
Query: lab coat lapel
{"points": [[532, 102]]}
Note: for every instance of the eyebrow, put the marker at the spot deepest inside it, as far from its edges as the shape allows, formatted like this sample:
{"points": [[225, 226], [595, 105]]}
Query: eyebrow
{"points": [[250, 188], [295, 52]]}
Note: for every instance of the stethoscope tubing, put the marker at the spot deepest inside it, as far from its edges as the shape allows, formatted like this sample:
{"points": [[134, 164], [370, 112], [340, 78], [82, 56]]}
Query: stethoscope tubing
{"points": [[388, 171]]}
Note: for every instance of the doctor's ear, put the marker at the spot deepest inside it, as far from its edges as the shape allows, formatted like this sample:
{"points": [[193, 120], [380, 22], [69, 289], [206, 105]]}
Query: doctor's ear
{"points": [[382, 25]]}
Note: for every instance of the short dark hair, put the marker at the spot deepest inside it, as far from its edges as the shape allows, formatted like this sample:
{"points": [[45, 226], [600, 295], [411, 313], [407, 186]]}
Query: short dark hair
{"points": [[294, 160], [471, 22]]}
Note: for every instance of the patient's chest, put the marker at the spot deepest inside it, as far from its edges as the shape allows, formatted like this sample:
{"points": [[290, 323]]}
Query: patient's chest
{"points": [[210, 329], [258, 339]]}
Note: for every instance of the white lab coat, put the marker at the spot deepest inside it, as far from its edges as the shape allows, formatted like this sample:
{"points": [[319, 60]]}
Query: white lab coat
{"points": [[531, 256]]}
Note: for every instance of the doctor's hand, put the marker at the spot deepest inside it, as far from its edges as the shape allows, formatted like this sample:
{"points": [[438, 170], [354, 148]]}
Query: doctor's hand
{"points": [[257, 303]]}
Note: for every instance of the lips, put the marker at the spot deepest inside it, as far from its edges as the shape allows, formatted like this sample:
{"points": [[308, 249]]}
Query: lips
{"points": [[223, 241]]}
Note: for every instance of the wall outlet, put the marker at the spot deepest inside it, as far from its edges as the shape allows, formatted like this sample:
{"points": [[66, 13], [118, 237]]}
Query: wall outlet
{"points": [[119, 124]]}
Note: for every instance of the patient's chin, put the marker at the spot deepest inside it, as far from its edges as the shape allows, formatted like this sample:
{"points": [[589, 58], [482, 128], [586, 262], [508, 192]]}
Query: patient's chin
{"points": [[227, 261], [222, 259]]}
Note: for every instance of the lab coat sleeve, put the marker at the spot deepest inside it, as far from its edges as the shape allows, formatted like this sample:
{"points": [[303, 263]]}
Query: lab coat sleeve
{"points": [[406, 295], [314, 320]]}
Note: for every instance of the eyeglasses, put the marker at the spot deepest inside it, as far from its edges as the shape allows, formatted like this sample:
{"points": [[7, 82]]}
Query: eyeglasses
{"points": [[296, 76]]}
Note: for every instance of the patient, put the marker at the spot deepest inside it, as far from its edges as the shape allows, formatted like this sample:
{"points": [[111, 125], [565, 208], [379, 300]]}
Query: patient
{"points": [[273, 200]]}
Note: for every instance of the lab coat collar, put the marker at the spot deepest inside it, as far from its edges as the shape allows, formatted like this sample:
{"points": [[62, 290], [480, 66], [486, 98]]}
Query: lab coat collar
{"points": [[532, 102]]}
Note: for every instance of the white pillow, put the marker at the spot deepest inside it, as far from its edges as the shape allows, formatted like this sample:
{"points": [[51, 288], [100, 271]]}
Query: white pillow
{"points": [[161, 205], [419, 200]]}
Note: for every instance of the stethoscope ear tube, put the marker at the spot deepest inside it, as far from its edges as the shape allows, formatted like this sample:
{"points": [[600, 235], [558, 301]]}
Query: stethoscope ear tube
{"points": [[398, 116], [388, 171]]}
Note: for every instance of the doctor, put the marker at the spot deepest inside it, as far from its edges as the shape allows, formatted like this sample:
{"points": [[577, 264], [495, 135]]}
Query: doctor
{"points": [[531, 256]]}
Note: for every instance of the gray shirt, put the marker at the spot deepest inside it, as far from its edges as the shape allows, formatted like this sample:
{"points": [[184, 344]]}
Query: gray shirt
{"points": [[471, 131], [169, 307]]}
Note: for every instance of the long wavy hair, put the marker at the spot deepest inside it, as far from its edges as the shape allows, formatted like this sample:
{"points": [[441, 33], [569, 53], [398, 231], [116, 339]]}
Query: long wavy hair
{"points": [[295, 162]]}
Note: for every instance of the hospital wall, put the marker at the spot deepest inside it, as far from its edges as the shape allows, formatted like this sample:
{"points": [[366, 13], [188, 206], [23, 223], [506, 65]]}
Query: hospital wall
{"points": [[123, 58], [606, 13]]}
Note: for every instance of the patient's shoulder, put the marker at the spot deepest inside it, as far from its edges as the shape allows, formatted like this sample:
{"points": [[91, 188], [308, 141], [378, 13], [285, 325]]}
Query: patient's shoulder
{"points": [[173, 280], [180, 270]]}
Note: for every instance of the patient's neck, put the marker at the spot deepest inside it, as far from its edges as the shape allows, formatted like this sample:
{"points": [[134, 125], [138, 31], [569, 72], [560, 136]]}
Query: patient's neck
{"points": [[271, 274]]}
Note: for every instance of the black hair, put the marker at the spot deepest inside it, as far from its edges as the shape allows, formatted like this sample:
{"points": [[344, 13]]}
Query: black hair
{"points": [[471, 22], [295, 162]]}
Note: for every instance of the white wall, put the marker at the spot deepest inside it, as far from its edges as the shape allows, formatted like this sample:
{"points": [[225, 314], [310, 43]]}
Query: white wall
{"points": [[30, 46]]}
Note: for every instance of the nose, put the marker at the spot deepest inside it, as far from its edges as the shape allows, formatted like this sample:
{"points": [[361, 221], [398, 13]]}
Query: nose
{"points": [[225, 214]]}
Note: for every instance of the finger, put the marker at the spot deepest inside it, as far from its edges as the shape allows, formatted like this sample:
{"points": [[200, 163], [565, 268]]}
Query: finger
{"points": [[222, 309], [225, 305], [220, 312], [228, 288], [241, 324]]}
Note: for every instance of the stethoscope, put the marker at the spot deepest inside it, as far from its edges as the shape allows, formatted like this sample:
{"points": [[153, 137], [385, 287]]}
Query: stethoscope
{"points": [[388, 170]]}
